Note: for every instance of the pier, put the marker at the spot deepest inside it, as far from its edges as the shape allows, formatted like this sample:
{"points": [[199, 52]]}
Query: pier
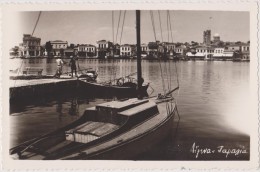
{"points": [[28, 90]]}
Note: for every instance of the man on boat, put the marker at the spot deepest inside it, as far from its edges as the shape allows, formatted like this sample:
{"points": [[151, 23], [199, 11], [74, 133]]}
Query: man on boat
{"points": [[73, 65], [59, 62]]}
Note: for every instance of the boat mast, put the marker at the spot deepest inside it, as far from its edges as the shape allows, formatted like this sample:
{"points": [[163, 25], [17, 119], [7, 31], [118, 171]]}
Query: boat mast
{"points": [[138, 46]]}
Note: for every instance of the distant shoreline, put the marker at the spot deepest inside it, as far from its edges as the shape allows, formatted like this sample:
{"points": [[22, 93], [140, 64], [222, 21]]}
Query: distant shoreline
{"points": [[152, 59]]}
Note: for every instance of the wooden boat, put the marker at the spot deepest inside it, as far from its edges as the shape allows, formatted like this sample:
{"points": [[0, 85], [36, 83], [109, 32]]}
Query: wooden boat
{"points": [[121, 87], [112, 130]]}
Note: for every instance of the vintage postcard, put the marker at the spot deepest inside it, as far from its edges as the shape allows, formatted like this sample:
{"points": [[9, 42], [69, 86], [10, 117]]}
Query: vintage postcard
{"points": [[139, 85]]}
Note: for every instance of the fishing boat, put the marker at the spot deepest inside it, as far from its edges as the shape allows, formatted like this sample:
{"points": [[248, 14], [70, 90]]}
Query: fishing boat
{"points": [[112, 130], [123, 86]]}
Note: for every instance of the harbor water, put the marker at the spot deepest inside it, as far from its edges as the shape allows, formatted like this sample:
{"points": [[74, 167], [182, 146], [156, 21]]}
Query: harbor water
{"points": [[213, 104]]}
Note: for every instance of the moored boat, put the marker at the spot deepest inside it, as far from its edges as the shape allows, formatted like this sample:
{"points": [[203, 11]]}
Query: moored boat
{"points": [[104, 132]]}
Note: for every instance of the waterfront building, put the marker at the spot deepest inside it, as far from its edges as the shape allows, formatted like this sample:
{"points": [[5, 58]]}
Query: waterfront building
{"points": [[221, 53], [31, 46], [207, 37], [216, 38], [116, 50], [233, 47], [169, 48], [180, 51], [153, 49], [127, 50], [245, 48], [71, 51], [144, 50], [104, 49], [201, 53], [86, 50], [58, 47]]}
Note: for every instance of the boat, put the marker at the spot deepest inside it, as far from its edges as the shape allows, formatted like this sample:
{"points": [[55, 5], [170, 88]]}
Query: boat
{"points": [[113, 130], [119, 87]]}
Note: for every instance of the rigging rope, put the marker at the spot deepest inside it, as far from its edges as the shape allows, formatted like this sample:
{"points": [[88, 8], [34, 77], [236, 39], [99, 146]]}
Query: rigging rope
{"points": [[119, 18], [168, 30], [36, 23], [152, 19], [159, 15], [170, 24], [113, 27], [122, 26]]}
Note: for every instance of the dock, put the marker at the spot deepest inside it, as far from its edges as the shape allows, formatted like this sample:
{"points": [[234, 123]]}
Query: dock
{"points": [[27, 90]]}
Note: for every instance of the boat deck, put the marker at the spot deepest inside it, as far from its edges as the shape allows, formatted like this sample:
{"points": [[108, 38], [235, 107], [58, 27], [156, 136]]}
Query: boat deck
{"points": [[146, 127]]}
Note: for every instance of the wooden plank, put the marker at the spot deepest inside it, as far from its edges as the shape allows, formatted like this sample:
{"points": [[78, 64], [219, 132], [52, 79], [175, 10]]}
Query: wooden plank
{"points": [[105, 129], [119, 105], [90, 127], [138, 109]]}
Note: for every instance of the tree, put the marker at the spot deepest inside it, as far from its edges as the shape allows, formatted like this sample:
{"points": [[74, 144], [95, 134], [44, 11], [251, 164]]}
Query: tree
{"points": [[15, 51], [48, 48], [193, 43], [72, 46]]}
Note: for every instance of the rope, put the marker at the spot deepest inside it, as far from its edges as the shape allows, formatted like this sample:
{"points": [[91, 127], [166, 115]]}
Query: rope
{"points": [[168, 33], [159, 15], [170, 24], [36, 23], [122, 26], [152, 19], [119, 18], [113, 28]]}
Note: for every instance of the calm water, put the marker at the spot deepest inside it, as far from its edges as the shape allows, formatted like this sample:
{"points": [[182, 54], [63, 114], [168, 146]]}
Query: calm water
{"points": [[212, 103]]}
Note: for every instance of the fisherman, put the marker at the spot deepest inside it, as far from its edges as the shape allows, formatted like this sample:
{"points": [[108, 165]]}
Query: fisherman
{"points": [[59, 62], [73, 66]]}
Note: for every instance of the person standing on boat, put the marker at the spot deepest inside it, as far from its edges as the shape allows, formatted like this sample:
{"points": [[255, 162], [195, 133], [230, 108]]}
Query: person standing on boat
{"points": [[59, 62], [73, 65]]}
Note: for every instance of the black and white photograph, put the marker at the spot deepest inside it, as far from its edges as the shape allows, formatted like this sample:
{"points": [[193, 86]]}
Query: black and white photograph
{"points": [[129, 84]]}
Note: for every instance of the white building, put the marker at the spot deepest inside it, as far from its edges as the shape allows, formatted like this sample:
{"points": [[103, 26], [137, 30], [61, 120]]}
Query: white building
{"points": [[126, 50], [58, 46]]}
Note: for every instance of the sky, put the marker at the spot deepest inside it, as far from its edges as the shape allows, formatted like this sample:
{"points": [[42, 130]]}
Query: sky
{"points": [[81, 27]]}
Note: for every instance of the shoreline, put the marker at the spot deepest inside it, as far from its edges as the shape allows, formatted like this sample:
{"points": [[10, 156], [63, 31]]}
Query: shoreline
{"points": [[150, 59]]}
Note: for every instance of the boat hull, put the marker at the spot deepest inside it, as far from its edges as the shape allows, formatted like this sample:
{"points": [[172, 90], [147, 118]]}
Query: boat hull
{"points": [[144, 143], [112, 90]]}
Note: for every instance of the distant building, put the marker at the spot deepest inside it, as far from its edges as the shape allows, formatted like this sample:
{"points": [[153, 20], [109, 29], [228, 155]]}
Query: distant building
{"points": [[86, 50], [201, 53], [104, 49], [207, 37], [170, 48], [153, 49], [71, 51], [180, 51], [31, 46], [144, 50], [58, 47], [127, 50], [245, 49], [221, 53], [216, 38], [234, 47]]}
